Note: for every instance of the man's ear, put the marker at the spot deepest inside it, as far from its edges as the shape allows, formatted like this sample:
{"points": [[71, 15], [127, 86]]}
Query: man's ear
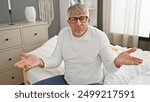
{"points": [[89, 20], [68, 22]]}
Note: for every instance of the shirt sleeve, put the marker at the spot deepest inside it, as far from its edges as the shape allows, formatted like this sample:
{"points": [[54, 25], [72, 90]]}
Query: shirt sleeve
{"points": [[107, 54], [56, 58]]}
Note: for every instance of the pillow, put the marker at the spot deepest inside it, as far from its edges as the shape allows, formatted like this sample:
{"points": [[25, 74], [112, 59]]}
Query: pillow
{"points": [[36, 74], [46, 49]]}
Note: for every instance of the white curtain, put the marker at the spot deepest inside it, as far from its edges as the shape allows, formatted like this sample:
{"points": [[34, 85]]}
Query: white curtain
{"points": [[121, 21], [46, 11]]}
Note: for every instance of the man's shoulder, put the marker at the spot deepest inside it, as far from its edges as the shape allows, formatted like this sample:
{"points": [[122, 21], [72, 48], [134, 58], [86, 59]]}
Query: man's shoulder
{"points": [[97, 32], [65, 29], [95, 29], [64, 32]]}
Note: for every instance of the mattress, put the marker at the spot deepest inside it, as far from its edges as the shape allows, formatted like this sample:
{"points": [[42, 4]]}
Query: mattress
{"points": [[36, 74]]}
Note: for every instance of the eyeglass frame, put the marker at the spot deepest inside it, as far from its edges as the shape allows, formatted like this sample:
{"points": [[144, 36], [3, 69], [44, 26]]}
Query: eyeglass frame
{"points": [[77, 18]]}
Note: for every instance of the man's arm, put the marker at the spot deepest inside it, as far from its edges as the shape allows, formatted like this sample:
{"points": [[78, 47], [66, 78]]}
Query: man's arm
{"points": [[108, 56]]}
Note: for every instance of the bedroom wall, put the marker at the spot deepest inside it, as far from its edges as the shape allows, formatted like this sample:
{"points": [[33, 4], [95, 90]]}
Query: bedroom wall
{"points": [[18, 9]]}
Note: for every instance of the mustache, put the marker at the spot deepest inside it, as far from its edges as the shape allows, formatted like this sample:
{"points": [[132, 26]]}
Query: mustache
{"points": [[79, 27]]}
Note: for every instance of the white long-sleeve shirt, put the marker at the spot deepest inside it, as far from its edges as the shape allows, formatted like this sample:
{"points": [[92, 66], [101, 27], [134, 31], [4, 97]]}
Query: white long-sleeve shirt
{"points": [[83, 56]]}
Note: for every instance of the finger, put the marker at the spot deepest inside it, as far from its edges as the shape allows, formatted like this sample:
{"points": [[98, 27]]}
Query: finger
{"points": [[28, 65], [131, 50], [137, 59], [128, 62], [16, 64], [24, 55], [136, 63], [19, 64]]}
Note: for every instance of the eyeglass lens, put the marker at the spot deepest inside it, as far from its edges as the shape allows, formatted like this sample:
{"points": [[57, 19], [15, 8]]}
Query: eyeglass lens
{"points": [[74, 20]]}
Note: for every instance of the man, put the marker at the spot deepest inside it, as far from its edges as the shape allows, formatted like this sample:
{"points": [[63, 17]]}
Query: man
{"points": [[83, 49]]}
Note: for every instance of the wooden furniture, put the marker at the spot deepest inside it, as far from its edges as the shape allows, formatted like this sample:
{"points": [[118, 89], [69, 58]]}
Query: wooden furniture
{"points": [[14, 39]]}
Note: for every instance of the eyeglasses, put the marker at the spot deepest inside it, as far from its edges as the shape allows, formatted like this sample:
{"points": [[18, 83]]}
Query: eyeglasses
{"points": [[74, 20]]}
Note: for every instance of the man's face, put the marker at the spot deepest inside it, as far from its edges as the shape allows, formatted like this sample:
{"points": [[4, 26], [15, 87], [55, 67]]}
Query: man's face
{"points": [[79, 23]]}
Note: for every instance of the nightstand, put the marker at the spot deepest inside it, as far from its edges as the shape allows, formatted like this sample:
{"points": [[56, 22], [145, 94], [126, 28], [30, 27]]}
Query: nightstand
{"points": [[14, 39]]}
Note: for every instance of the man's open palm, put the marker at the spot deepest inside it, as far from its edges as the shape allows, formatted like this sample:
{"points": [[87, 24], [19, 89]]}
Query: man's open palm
{"points": [[28, 61], [124, 58]]}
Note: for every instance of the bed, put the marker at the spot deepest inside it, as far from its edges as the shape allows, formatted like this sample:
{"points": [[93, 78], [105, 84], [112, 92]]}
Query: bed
{"points": [[127, 75]]}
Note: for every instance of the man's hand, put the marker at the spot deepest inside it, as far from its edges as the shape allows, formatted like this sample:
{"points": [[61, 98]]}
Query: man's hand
{"points": [[124, 58], [28, 61]]}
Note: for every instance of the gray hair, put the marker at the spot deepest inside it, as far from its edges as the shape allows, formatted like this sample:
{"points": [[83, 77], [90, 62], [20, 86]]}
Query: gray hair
{"points": [[78, 8]]}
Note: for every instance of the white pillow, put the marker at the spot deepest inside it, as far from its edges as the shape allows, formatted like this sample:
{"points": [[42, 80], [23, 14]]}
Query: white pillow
{"points": [[47, 48]]}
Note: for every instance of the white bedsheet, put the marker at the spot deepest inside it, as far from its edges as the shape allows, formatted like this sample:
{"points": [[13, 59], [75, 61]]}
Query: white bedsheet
{"points": [[125, 75], [131, 74]]}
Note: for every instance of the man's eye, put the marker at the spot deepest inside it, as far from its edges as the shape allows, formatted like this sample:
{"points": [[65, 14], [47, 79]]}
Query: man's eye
{"points": [[73, 18], [82, 18]]}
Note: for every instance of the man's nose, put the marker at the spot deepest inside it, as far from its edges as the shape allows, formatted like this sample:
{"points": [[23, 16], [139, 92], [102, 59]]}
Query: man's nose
{"points": [[78, 22]]}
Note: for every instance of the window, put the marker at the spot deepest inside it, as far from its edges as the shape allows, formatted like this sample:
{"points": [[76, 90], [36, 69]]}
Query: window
{"points": [[144, 26], [130, 17]]}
